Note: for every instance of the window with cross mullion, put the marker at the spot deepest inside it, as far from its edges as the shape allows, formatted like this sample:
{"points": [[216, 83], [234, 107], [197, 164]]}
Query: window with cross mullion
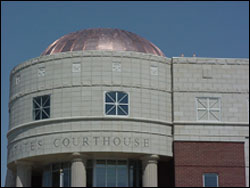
{"points": [[208, 108], [41, 107], [116, 103]]}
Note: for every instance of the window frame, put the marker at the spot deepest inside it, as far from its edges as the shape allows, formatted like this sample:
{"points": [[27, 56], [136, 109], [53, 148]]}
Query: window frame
{"points": [[94, 161], [208, 109], [217, 178], [116, 115], [33, 109]]}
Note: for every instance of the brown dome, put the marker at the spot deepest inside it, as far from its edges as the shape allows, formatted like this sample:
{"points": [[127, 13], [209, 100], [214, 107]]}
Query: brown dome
{"points": [[102, 39]]}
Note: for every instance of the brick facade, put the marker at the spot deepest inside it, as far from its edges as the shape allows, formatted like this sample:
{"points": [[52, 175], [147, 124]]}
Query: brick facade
{"points": [[193, 159]]}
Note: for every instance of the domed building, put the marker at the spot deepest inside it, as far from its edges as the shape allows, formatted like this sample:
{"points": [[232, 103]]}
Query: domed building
{"points": [[106, 108]]}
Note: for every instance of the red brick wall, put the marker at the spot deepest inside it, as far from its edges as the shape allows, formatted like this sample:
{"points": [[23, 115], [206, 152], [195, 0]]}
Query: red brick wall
{"points": [[192, 159]]}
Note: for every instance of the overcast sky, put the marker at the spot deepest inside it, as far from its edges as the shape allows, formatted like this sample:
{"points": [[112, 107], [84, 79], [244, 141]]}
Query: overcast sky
{"points": [[210, 29]]}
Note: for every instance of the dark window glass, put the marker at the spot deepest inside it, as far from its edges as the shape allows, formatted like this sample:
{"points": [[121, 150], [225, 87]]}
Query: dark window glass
{"points": [[116, 103], [56, 173], [111, 173], [122, 174], [41, 107], [110, 109], [36, 104], [123, 110], [114, 173], [122, 97], [124, 100], [89, 173], [45, 113], [56, 179], [100, 176], [111, 96], [37, 114], [66, 175], [38, 100], [46, 100], [47, 177], [210, 180]]}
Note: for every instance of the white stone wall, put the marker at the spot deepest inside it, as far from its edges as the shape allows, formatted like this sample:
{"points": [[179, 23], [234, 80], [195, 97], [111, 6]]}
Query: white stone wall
{"points": [[77, 103], [77, 96], [78, 136], [83, 92], [227, 79]]}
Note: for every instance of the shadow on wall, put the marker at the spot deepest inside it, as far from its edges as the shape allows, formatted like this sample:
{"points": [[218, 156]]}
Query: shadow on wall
{"points": [[166, 173]]}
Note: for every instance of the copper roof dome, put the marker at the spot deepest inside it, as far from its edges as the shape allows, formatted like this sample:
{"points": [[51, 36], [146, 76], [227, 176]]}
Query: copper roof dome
{"points": [[102, 39]]}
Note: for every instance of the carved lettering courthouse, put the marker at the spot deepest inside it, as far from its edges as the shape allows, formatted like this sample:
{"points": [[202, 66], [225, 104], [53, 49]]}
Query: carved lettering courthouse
{"points": [[106, 108]]}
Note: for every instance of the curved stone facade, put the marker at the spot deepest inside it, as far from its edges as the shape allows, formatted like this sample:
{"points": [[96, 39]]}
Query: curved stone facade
{"points": [[77, 120], [172, 103]]}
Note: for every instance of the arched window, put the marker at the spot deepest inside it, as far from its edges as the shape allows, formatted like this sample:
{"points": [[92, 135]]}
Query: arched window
{"points": [[116, 103]]}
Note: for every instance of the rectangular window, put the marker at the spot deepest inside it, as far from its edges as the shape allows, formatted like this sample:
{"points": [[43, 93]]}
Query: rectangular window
{"points": [[208, 108], [210, 180], [116, 173], [41, 107]]}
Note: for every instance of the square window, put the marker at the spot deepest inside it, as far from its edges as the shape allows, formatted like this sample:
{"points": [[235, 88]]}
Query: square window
{"points": [[202, 115], [116, 103], [208, 108], [210, 180]]}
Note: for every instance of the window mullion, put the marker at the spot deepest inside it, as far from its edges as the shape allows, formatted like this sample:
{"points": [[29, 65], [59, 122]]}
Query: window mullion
{"points": [[116, 104], [110, 109], [45, 113], [123, 110], [110, 97], [41, 108], [208, 117], [40, 114], [116, 179], [36, 102], [45, 101], [106, 179], [125, 95]]}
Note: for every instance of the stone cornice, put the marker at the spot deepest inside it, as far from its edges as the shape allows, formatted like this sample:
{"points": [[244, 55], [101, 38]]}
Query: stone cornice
{"points": [[210, 123], [135, 119], [89, 53], [210, 61], [89, 118]]}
